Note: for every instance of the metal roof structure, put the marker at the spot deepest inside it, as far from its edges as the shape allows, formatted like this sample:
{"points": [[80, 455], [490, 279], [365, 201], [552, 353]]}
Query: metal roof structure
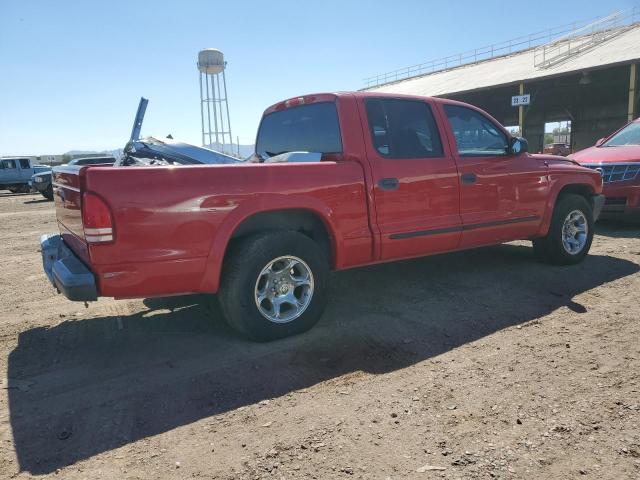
{"points": [[573, 53]]}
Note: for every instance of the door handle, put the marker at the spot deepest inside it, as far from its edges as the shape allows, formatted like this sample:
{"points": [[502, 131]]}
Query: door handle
{"points": [[468, 178], [389, 183]]}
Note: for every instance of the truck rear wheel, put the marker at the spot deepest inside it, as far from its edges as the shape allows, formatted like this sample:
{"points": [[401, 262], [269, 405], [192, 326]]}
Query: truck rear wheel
{"points": [[274, 285], [570, 232]]}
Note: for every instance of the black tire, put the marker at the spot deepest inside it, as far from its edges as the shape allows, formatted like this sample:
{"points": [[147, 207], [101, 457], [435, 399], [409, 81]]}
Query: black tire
{"points": [[550, 248], [243, 265], [48, 193]]}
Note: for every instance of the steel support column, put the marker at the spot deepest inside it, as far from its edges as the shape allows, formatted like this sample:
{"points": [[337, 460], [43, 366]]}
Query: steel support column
{"points": [[521, 112], [633, 77]]}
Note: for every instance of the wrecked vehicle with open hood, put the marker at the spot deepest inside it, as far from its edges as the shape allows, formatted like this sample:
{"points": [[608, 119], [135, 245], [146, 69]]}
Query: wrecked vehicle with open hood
{"points": [[167, 151], [155, 151]]}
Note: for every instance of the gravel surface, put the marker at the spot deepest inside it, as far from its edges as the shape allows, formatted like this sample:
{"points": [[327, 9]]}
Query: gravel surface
{"points": [[480, 364]]}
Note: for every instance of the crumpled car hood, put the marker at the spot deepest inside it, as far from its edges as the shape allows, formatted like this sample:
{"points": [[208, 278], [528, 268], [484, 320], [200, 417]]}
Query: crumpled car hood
{"points": [[180, 152]]}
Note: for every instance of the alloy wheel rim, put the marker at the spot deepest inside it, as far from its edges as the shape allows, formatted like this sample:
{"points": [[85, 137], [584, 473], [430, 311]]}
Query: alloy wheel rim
{"points": [[284, 289], [575, 231]]}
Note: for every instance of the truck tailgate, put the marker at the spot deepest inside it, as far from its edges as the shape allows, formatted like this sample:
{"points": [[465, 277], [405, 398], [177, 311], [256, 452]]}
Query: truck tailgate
{"points": [[67, 184]]}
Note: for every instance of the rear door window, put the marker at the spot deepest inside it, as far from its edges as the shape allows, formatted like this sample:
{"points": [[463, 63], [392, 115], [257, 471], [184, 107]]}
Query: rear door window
{"points": [[475, 134], [403, 128], [9, 164], [306, 128]]}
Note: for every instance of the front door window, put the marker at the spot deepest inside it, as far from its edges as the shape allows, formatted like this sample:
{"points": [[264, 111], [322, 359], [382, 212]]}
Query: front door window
{"points": [[475, 135]]}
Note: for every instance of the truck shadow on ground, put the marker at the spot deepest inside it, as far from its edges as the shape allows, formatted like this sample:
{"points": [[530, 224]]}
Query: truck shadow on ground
{"points": [[42, 200], [618, 228], [88, 386], [9, 194]]}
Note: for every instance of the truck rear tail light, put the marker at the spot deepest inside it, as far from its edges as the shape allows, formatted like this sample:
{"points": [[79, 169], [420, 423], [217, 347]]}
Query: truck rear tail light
{"points": [[96, 219]]}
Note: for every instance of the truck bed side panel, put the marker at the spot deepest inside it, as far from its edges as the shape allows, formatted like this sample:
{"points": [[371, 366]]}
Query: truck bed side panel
{"points": [[167, 219]]}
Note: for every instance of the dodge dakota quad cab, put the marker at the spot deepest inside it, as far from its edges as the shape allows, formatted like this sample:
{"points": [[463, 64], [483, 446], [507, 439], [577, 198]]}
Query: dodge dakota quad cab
{"points": [[617, 158], [388, 177]]}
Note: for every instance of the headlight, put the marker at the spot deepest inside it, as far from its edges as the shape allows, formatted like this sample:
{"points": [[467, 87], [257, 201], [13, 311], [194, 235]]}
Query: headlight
{"points": [[38, 179]]}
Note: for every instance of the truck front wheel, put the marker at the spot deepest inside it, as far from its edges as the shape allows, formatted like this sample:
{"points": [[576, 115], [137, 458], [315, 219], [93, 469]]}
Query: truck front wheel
{"points": [[274, 285], [48, 193], [570, 233]]}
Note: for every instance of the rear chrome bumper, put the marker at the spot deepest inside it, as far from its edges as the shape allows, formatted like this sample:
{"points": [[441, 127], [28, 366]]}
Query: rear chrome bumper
{"points": [[65, 271]]}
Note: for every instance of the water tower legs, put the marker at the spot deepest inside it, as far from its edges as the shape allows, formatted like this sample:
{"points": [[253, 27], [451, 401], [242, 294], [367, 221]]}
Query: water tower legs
{"points": [[214, 109]]}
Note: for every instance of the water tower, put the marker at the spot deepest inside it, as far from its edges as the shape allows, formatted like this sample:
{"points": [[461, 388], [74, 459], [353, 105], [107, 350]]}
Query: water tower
{"points": [[214, 108]]}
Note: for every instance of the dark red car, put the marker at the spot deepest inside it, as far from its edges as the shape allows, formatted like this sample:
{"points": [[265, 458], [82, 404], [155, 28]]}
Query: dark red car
{"points": [[617, 158], [557, 149]]}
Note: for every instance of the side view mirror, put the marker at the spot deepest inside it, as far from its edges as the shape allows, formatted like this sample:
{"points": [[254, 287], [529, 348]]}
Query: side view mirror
{"points": [[600, 141], [518, 145]]}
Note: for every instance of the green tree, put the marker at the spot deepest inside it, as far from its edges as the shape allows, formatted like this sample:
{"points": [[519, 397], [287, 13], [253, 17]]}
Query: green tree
{"points": [[548, 138]]}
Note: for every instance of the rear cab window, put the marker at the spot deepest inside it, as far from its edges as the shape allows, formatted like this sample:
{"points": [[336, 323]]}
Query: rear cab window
{"points": [[403, 129], [305, 128]]}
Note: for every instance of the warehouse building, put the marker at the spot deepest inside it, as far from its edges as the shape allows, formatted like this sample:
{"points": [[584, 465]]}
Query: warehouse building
{"points": [[585, 76]]}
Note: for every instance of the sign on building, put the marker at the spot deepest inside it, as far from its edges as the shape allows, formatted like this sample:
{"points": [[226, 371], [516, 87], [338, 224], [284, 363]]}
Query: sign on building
{"points": [[518, 100]]}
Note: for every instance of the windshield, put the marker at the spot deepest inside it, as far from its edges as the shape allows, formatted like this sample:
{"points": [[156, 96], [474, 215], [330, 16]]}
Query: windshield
{"points": [[307, 128], [629, 135]]}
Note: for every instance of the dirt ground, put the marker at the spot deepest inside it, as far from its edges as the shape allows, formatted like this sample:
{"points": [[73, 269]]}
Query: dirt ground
{"points": [[481, 364]]}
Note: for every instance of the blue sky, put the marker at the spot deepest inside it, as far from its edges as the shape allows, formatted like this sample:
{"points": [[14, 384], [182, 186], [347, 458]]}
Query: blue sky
{"points": [[71, 72]]}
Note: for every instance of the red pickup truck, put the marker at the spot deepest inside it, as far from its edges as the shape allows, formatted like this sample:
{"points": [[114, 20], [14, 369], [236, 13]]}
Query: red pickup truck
{"points": [[388, 177]]}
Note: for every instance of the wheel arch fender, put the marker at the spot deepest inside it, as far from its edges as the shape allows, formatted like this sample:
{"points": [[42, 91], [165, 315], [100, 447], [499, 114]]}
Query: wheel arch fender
{"points": [[254, 215], [579, 185]]}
